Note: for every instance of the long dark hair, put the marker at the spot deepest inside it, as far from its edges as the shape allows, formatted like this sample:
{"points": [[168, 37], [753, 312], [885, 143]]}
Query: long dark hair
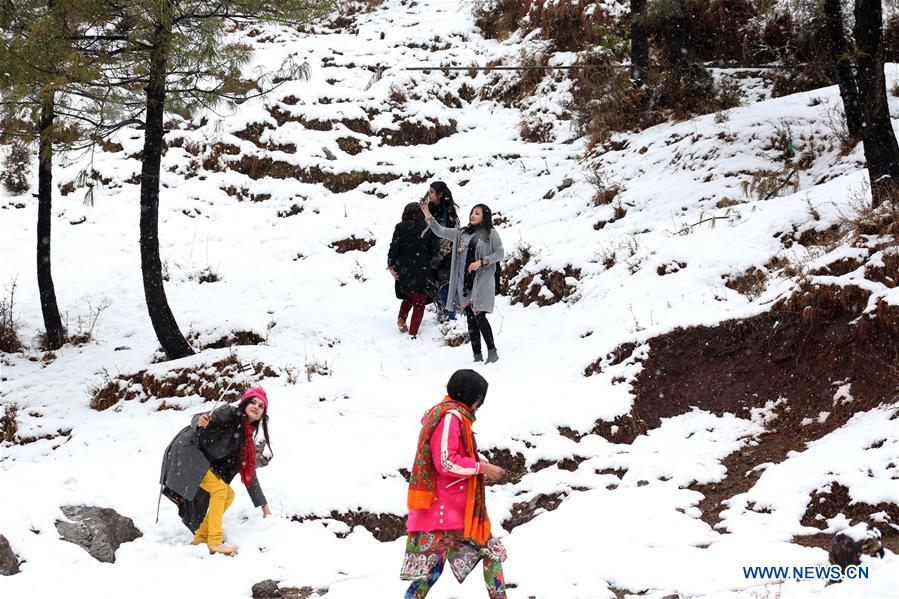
{"points": [[486, 222], [447, 201], [243, 420], [443, 191]]}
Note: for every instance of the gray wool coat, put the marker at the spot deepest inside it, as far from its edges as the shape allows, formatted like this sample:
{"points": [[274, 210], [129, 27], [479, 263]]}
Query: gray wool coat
{"points": [[483, 291], [194, 451]]}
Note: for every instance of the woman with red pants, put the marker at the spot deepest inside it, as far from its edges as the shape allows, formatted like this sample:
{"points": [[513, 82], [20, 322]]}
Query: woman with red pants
{"points": [[409, 262], [447, 508]]}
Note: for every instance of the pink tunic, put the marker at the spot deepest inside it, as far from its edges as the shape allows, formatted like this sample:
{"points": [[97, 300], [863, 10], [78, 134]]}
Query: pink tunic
{"points": [[454, 469]]}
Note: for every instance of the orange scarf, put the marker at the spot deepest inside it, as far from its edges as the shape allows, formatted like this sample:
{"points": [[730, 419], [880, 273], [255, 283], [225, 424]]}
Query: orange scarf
{"points": [[423, 479]]}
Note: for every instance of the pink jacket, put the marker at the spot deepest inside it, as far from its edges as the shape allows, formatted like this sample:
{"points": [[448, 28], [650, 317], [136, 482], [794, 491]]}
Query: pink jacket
{"points": [[454, 469]]}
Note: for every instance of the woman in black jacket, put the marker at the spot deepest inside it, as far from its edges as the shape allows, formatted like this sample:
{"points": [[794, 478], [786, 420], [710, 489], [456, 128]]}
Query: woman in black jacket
{"points": [[204, 457], [409, 262]]}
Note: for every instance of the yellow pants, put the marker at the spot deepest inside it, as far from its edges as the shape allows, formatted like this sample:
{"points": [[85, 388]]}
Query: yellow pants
{"points": [[220, 497]]}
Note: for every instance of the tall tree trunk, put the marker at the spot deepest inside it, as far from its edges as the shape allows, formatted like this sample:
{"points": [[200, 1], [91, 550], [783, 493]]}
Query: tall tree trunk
{"points": [[167, 332], [677, 32], [881, 150], [836, 40], [639, 42], [56, 334]]}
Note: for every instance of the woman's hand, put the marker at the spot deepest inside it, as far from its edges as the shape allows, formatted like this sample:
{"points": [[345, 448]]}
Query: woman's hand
{"points": [[475, 265], [204, 421], [423, 204], [492, 472], [265, 511], [393, 273]]}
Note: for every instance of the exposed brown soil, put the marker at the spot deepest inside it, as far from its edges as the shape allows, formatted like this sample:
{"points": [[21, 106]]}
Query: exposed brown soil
{"points": [[526, 292], [800, 351], [384, 527], [513, 463], [353, 244], [258, 167], [827, 502], [618, 355], [415, 134], [292, 211], [234, 338], [671, 267], [209, 381], [525, 511], [270, 589], [350, 145]]}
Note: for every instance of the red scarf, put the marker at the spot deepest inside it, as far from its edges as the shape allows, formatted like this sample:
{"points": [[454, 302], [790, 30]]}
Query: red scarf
{"points": [[423, 478], [248, 456]]}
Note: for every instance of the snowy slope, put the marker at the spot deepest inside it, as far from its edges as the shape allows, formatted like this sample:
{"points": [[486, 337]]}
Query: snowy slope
{"points": [[340, 439]]}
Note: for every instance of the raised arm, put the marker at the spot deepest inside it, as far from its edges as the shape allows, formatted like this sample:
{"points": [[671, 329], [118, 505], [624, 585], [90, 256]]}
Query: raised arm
{"points": [[441, 231]]}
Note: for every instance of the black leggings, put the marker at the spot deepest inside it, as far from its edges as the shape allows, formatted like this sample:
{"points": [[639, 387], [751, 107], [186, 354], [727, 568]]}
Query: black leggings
{"points": [[478, 326]]}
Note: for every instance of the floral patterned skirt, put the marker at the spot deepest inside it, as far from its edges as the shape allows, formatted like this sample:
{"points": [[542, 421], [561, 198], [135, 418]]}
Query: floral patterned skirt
{"points": [[424, 550]]}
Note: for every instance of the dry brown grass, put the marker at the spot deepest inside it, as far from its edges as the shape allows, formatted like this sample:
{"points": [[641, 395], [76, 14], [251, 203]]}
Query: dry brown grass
{"points": [[350, 145], [536, 130], [569, 24], [498, 19], [605, 100], [527, 291], [9, 326], [512, 89], [750, 283], [9, 424], [863, 220]]}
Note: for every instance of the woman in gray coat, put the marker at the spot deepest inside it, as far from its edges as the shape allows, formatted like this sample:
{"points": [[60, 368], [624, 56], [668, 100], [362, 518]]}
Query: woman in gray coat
{"points": [[204, 457], [477, 251]]}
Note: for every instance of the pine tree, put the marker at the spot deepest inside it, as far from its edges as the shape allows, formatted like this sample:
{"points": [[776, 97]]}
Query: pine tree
{"points": [[879, 141], [48, 66], [839, 52], [185, 63], [639, 42]]}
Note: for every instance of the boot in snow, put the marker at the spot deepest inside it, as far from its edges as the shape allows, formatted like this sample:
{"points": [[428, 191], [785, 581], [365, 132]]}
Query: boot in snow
{"points": [[492, 356], [478, 358]]}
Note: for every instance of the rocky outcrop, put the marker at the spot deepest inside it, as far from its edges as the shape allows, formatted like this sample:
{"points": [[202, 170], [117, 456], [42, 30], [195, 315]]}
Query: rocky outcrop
{"points": [[9, 561], [100, 531]]}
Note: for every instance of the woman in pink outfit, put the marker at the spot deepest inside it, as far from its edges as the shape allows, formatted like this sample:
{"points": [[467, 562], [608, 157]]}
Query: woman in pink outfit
{"points": [[447, 507]]}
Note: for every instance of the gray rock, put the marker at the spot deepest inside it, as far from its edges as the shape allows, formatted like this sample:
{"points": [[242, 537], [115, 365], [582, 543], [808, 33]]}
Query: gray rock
{"points": [[265, 590], [98, 530], [9, 561], [269, 589]]}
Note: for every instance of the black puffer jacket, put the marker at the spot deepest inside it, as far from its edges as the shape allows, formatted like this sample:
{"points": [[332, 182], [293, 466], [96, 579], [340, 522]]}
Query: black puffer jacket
{"points": [[410, 256]]}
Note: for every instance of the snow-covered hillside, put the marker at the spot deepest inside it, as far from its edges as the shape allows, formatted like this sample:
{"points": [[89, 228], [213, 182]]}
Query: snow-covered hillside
{"points": [[265, 197]]}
